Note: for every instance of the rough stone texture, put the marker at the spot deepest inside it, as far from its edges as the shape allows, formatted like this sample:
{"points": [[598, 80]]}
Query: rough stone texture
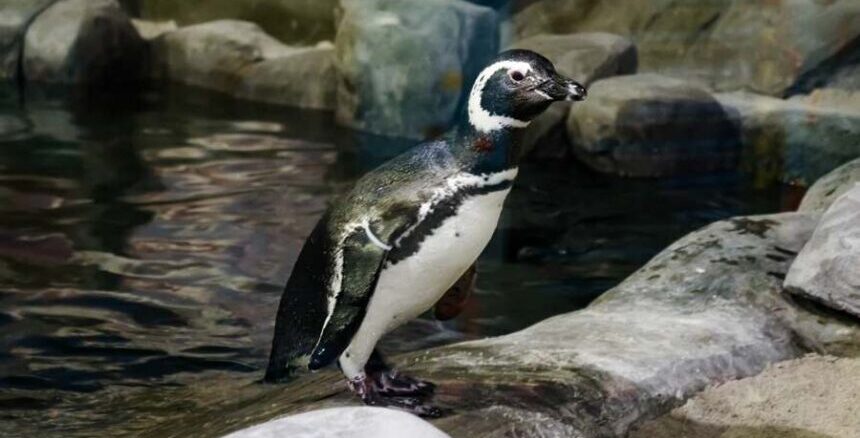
{"points": [[831, 186], [813, 397], [15, 17], [708, 309], [727, 44], [585, 57], [238, 58], [828, 268], [353, 422], [83, 42], [796, 140], [651, 125], [405, 66], [301, 22]]}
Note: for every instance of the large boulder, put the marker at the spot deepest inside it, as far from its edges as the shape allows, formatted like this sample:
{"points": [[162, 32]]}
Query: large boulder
{"points": [[405, 66], [83, 42], [796, 140], [828, 188], [353, 422], [651, 125], [726, 44], [300, 22], [17, 16], [238, 58], [585, 57], [812, 397], [828, 268], [708, 309]]}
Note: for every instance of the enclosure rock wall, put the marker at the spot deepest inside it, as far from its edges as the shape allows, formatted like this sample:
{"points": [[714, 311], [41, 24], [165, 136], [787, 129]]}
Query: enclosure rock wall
{"points": [[404, 67]]}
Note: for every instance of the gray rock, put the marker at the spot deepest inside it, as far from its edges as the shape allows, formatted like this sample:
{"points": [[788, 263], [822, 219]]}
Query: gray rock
{"points": [[831, 186], [585, 57], [828, 268], [238, 58], [404, 65], [83, 42], [651, 125], [17, 16], [150, 30], [353, 422], [812, 397], [299, 22], [796, 140], [764, 47]]}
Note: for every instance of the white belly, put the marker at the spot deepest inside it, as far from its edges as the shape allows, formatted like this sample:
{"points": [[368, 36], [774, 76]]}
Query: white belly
{"points": [[413, 285]]}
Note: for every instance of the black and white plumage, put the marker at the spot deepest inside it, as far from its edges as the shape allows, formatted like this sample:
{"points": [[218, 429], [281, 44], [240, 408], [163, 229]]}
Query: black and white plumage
{"points": [[390, 248]]}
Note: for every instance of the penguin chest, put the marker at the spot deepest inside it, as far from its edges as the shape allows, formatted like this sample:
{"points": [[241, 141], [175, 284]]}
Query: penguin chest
{"points": [[414, 284]]}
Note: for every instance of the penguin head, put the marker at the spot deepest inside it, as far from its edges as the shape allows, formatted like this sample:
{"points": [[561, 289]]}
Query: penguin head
{"points": [[515, 88]]}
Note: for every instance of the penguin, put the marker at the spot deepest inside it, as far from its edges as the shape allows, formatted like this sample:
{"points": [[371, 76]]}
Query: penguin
{"points": [[389, 249]]}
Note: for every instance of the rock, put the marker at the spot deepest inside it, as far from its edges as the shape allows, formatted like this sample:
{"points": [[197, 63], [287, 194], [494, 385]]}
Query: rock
{"points": [[651, 125], [828, 268], [150, 30], [831, 186], [238, 58], [299, 22], [83, 42], [357, 422], [585, 57], [405, 66], [813, 397], [725, 44], [17, 16], [796, 140]]}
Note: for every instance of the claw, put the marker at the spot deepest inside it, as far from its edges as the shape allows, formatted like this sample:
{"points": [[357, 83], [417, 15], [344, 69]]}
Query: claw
{"points": [[370, 393]]}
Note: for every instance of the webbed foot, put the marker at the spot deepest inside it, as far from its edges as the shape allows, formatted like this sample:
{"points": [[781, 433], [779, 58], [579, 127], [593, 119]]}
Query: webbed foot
{"points": [[367, 389]]}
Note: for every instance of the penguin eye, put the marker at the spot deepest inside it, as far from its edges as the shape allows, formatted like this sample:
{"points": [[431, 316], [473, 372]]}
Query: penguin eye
{"points": [[517, 76]]}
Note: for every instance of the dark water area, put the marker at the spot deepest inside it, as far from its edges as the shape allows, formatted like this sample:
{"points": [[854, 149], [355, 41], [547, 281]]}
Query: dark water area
{"points": [[145, 240]]}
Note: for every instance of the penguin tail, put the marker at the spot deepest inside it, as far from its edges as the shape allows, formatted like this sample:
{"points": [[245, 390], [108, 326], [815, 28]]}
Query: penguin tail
{"points": [[282, 369]]}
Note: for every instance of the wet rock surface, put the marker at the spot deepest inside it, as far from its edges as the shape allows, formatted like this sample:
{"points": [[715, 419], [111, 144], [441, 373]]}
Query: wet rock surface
{"points": [[585, 57], [831, 186], [82, 42], [404, 66], [812, 397], [651, 125], [238, 58], [828, 268], [796, 140]]}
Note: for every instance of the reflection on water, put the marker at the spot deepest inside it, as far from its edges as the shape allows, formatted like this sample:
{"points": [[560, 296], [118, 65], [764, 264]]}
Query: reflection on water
{"points": [[144, 243]]}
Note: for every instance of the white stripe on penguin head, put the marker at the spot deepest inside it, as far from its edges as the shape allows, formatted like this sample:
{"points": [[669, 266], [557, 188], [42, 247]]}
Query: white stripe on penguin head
{"points": [[479, 117]]}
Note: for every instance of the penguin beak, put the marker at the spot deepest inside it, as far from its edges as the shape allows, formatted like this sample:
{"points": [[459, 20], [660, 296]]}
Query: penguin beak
{"points": [[560, 88]]}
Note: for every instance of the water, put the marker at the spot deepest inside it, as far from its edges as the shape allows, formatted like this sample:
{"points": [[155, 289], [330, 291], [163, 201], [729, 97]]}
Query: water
{"points": [[145, 240]]}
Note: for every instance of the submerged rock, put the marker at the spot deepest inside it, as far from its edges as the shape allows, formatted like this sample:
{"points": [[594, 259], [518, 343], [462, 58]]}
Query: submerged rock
{"points": [[813, 397], [585, 57], [651, 125], [727, 45], [831, 186], [83, 42], [353, 422], [17, 16], [796, 140], [238, 58], [404, 65], [828, 268]]}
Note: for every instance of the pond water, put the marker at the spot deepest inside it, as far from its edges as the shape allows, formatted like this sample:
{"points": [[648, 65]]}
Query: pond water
{"points": [[145, 241]]}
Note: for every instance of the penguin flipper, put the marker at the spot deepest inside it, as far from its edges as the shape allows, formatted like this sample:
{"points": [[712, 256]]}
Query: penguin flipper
{"points": [[363, 258]]}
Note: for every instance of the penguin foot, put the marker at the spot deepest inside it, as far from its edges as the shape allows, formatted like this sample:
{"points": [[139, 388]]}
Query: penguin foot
{"points": [[393, 383], [367, 390]]}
